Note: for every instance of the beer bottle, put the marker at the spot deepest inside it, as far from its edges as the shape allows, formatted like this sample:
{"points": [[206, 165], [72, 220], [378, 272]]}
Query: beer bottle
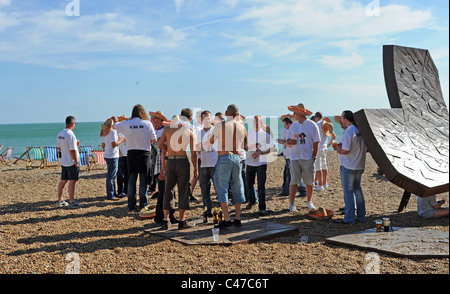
{"points": [[205, 215], [215, 216], [220, 215]]}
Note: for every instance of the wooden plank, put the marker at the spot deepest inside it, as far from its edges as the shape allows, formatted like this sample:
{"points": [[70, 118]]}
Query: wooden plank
{"points": [[252, 230]]}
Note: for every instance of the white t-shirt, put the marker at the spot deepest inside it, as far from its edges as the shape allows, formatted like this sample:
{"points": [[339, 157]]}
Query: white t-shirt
{"points": [[261, 139], [111, 152], [67, 141], [425, 206], [139, 133], [208, 154], [306, 134], [353, 142], [123, 147], [286, 149]]}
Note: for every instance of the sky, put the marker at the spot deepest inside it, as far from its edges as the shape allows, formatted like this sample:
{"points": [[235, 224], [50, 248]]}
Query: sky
{"points": [[97, 58]]}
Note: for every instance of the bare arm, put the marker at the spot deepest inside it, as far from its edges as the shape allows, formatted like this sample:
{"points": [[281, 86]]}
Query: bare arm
{"points": [[74, 154], [162, 142], [194, 158]]}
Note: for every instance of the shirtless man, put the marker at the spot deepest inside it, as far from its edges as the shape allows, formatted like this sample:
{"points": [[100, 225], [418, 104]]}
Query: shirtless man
{"points": [[178, 136], [231, 135]]}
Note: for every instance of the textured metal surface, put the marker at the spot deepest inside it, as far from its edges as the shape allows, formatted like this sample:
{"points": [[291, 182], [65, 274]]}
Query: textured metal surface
{"points": [[408, 242], [410, 142]]}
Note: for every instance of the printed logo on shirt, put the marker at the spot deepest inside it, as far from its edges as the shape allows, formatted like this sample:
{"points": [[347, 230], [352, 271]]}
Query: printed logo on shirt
{"points": [[61, 138], [301, 138], [137, 127]]}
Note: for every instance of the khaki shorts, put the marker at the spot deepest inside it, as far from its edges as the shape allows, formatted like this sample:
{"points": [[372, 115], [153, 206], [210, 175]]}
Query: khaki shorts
{"points": [[302, 169]]}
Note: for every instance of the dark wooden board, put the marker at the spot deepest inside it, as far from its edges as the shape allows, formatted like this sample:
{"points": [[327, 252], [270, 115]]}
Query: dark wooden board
{"points": [[252, 230]]}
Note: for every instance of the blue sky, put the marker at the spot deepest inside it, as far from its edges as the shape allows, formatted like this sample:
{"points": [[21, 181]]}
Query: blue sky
{"points": [[262, 55]]}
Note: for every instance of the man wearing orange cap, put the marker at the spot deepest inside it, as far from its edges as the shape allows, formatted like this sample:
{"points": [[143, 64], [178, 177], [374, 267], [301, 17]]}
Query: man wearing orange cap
{"points": [[304, 137]]}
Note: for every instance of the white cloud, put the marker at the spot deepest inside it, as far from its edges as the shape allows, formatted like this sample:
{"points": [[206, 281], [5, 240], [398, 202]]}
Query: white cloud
{"points": [[295, 29], [342, 62], [332, 18], [178, 4], [240, 57], [231, 3], [53, 39], [5, 3], [7, 21]]}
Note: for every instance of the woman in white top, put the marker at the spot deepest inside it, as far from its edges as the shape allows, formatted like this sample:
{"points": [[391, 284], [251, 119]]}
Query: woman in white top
{"points": [[110, 143]]}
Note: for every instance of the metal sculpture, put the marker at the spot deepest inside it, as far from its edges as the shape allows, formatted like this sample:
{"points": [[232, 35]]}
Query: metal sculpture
{"points": [[410, 142]]}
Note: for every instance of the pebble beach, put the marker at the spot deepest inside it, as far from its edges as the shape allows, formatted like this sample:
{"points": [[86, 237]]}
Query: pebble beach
{"points": [[36, 237]]}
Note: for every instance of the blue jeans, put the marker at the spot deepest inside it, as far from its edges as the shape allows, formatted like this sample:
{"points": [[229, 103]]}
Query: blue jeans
{"points": [[228, 175], [143, 201], [206, 175], [122, 176], [286, 177], [351, 184], [260, 172], [112, 165]]}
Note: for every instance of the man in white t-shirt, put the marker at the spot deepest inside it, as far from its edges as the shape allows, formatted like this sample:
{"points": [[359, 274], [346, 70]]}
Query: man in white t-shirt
{"points": [[303, 136], [140, 134], [208, 159], [352, 156], [260, 143], [70, 163], [110, 143], [428, 207]]}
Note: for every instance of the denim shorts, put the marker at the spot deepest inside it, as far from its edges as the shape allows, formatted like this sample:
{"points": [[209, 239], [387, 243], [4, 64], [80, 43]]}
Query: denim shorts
{"points": [[69, 173], [228, 175]]}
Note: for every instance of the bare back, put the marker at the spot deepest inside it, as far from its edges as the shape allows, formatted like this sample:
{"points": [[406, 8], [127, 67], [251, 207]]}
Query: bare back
{"points": [[177, 140], [230, 136]]}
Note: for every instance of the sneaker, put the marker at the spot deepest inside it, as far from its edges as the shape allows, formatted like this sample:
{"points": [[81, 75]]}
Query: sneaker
{"points": [[318, 188], [62, 204], [184, 225], [165, 225], [292, 208], [224, 224], [310, 205], [326, 186], [262, 213], [237, 223], [113, 198], [75, 204], [249, 206]]}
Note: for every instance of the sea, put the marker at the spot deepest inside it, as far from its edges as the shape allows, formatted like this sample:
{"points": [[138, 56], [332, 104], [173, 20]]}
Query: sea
{"points": [[21, 136]]}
